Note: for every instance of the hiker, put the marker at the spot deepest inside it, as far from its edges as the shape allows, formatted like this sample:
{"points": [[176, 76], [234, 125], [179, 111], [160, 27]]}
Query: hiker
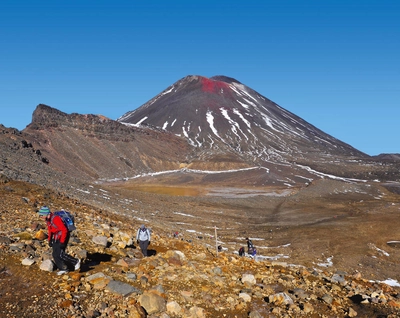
{"points": [[254, 253], [58, 237], [250, 246], [241, 251], [143, 239]]}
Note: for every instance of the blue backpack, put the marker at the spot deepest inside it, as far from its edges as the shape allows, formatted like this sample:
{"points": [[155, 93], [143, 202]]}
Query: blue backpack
{"points": [[67, 218]]}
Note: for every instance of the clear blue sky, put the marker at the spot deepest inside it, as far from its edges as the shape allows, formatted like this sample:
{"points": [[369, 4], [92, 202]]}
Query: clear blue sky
{"points": [[336, 64]]}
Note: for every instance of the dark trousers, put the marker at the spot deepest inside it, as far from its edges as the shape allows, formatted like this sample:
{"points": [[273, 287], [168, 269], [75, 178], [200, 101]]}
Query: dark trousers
{"points": [[143, 247], [63, 260]]}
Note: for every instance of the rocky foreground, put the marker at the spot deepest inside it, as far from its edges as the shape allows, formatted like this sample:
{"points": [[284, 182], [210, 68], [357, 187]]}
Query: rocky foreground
{"points": [[183, 277]]}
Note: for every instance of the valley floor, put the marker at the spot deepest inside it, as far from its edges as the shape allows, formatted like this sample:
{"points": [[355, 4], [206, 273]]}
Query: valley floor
{"points": [[303, 238]]}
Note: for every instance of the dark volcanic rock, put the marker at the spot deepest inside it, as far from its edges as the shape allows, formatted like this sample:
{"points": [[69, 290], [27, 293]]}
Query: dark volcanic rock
{"points": [[220, 112]]}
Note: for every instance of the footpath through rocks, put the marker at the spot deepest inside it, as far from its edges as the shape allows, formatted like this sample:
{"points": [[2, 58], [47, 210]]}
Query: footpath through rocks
{"points": [[180, 278]]}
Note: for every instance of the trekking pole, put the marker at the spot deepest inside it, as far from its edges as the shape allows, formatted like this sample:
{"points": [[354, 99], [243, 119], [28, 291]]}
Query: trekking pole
{"points": [[216, 241]]}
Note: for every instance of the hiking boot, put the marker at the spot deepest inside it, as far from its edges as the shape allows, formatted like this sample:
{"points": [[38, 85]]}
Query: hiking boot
{"points": [[62, 272], [78, 265]]}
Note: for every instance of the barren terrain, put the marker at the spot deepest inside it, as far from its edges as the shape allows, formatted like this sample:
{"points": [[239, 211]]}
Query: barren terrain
{"points": [[347, 222], [329, 227], [313, 220]]}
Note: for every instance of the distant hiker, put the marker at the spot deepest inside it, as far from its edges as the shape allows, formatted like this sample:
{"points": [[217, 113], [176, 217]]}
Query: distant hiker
{"points": [[219, 248], [250, 246], [254, 253], [241, 251], [58, 237], [143, 239]]}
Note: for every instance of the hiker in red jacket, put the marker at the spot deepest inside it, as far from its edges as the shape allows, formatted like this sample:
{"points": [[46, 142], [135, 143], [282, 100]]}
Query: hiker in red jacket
{"points": [[58, 236]]}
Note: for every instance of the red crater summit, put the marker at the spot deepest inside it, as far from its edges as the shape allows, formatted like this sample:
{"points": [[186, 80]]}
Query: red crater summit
{"points": [[212, 86]]}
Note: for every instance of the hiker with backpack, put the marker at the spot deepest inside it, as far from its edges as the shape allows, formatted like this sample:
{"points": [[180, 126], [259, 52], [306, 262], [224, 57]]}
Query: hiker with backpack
{"points": [[143, 239], [58, 237], [250, 246]]}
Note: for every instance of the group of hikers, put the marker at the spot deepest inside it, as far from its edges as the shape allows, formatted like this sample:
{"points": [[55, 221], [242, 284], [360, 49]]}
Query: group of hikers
{"points": [[251, 250], [59, 235]]}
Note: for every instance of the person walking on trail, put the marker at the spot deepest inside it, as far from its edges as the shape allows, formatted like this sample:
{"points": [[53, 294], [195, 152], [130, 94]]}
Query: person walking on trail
{"points": [[58, 237], [250, 246], [143, 239]]}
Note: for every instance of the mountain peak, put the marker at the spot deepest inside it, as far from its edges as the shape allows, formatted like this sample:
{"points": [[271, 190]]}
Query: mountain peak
{"points": [[225, 79], [222, 114]]}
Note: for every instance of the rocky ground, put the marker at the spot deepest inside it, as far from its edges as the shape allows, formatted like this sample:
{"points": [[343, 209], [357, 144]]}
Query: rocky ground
{"points": [[185, 276]]}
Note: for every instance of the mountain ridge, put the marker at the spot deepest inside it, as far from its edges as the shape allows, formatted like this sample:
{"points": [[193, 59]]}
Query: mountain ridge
{"points": [[98, 148]]}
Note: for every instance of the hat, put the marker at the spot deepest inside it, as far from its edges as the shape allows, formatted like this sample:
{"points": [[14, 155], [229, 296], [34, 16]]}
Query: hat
{"points": [[44, 211]]}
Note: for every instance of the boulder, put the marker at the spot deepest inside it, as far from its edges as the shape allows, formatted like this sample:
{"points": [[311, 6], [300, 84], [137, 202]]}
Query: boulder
{"points": [[47, 265], [121, 288], [248, 278], [128, 262], [40, 235], [100, 240], [152, 302], [28, 261], [174, 308], [280, 299]]}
